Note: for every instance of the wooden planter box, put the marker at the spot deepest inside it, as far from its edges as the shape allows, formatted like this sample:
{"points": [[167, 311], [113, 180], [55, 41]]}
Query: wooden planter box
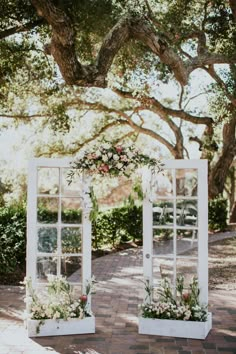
{"points": [[175, 328], [60, 327]]}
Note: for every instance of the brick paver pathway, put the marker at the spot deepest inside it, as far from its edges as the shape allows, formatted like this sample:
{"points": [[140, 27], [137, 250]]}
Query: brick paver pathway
{"points": [[115, 304]]}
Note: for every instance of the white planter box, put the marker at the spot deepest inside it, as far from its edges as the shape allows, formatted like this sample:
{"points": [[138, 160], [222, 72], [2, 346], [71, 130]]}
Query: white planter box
{"points": [[61, 327], [175, 328]]}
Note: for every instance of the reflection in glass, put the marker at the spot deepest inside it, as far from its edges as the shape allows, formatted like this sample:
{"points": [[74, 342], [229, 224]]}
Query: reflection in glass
{"points": [[71, 210], [162, 268], [162, 184], [47, 210], [163, 241], [75, 188], [47, 239], [187, 242], [48, 180], [71, 267], [186, 213], [186, 267], [163, 212], [77, 291], [46, 265], [186, 182], [71, 240]]}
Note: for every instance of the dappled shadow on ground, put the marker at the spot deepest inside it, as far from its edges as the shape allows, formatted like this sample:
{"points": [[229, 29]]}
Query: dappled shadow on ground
{"points": [[222, 264]]}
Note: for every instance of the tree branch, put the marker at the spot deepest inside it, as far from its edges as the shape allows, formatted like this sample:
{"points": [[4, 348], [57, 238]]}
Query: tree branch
{"points": [[154, 105], [23, 28], [211, 71], [62, 47]]}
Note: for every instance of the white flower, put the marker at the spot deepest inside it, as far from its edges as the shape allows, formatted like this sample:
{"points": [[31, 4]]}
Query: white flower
{"points": [[130, 154], [106, 146], [105, 158], [109, 154], [131, 165], [116, 157], [56, 315], [119, 165]]}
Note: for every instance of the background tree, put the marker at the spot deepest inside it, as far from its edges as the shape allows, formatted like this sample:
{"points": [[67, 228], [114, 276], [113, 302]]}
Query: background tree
{"points": [[53, 53]]}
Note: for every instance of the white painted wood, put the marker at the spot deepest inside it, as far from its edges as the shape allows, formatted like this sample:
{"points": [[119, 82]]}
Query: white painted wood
{"points": [[87, 231], [61, 327], [175, 328], [203, 232], [201, 228], [147, 229], [33, 225], [31, 222]]}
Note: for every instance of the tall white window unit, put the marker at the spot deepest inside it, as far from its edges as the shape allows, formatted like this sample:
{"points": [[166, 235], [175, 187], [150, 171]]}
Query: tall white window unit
{"points": [[58, 225], [175, 224]]}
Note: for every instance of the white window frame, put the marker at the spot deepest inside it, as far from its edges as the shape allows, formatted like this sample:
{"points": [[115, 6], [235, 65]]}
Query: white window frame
{"points": [[31, 259], [202, 167]]}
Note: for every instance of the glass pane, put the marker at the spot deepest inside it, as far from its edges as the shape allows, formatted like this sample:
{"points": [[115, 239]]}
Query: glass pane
{"points": [[71, 240], [188, 268], [163, 212], [75, 188], [71, 210], [187, 242], [77, 291], [162, 184], [48, 180], [46, 265], [47, 210], [163, 241], [186, 182], [186, 213], [71, 267], [162, 268], [47, 239]]}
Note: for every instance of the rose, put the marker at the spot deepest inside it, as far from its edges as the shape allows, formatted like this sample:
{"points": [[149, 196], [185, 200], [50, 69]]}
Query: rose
{"points": [[119, 149], [83, 298], [104, 168], [185, 296]]}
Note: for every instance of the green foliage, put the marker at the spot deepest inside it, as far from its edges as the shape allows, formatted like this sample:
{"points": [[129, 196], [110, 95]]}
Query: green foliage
{"points": [[218, 210], [12, 238], [117, 225]]}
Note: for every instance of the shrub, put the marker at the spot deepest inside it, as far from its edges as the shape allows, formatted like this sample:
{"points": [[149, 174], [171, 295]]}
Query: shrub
{"points": [[117, 225], [218, 211], [12, 238]]}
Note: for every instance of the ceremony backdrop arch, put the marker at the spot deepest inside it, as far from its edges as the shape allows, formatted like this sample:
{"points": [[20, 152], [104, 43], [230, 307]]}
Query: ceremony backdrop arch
{"points": [[175, 226]]}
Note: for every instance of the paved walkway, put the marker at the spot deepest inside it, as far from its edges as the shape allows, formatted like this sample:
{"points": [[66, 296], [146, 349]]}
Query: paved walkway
{"points": [[115, 304]]}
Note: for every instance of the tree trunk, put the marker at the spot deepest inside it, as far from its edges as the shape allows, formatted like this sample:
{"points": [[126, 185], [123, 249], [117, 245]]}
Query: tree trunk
{"points": [[218, 173]]}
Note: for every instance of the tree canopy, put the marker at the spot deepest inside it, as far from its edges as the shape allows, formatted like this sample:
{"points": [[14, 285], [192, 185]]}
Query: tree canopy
{"points": [[58, 56]]}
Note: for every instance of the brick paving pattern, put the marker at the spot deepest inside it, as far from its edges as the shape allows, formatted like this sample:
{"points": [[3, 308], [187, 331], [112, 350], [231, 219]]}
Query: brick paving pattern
{"points": [[115, 304]]}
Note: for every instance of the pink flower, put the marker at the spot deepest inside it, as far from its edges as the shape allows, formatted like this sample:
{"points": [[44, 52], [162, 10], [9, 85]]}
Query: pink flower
{"points": [[124, 158], [83, 298], [119, 149], [185, 296], [104, 168]]}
